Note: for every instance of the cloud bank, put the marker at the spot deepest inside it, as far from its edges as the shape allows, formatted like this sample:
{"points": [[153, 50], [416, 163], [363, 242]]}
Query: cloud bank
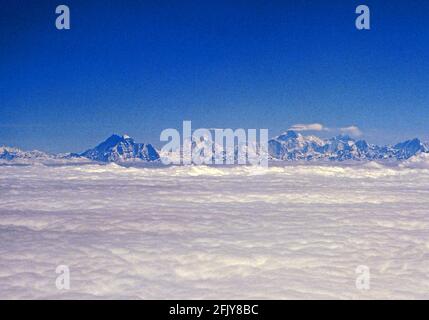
{"points": [[308, 127], [352, 130], [214, 232]]}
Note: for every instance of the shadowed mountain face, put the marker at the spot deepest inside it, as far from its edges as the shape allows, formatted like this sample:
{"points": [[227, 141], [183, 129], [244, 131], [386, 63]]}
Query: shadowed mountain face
{"points": [[294, 146], [121, 148]]}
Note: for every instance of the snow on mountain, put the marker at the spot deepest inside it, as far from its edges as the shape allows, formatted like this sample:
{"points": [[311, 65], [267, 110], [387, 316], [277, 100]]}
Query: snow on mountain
{"points": [[290, 146], [120, 149], [195, 150], [9, 153], [294, 146], [410, 148], [115, 149]]}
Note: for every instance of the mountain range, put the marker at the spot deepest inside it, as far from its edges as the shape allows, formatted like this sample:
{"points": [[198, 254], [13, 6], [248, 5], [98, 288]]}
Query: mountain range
{"points": [[292, 145], [289, 146]]}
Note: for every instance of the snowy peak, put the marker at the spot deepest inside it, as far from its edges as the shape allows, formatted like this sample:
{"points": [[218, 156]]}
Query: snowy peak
{"points": [[410, 148], [294, 146], [290, 134], [8, 153], [290, 145], [120, 148], [113, 141]]}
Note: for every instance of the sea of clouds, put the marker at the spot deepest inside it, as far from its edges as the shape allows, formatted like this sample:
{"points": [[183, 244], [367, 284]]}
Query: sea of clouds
{"points": [[289, 231]]}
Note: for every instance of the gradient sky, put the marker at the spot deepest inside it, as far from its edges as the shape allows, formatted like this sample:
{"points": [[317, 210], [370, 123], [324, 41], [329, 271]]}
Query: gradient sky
{"points": [[138, 67]]}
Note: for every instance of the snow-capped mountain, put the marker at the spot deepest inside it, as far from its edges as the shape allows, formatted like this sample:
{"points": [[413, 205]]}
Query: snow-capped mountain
{"points": [[196, 149], [292, 145], [19, 156], [8, 153], [120, 149], [115, 149], [410, 148]]}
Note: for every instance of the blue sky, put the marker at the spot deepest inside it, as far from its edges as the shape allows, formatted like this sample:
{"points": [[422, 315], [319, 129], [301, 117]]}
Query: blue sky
{"points": [[138, 67]]}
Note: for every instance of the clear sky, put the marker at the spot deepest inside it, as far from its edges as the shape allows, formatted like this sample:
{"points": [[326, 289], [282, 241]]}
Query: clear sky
{"points": [[138, 67]]}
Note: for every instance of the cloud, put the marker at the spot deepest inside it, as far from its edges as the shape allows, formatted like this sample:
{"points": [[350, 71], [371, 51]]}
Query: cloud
{"points": [[352, 131], [308, 127], [128, 240]]}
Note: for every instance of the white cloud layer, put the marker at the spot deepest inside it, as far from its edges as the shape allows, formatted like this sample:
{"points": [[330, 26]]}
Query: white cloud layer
{"points": [[308, 127], [353, 131], [214, 233]]}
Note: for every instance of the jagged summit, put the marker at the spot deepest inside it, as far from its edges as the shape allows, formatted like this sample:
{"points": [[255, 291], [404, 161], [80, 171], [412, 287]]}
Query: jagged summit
{"points": [[10, 153], [410, 148], [119, 148], [290, 145], [111, 141], [295, 146], [289, 134]]}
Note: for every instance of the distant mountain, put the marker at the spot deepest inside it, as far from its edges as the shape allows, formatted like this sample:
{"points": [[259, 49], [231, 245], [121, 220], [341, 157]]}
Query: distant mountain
{"points": [[115, 149], [8, 153], [409, 148], [289, 146], [120, 149], [15, 154], [292, 145]]}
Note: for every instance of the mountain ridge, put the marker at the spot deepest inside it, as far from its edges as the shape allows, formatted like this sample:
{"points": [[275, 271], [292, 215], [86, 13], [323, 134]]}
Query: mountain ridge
{"points": [[292, 145], [288, 146]]}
